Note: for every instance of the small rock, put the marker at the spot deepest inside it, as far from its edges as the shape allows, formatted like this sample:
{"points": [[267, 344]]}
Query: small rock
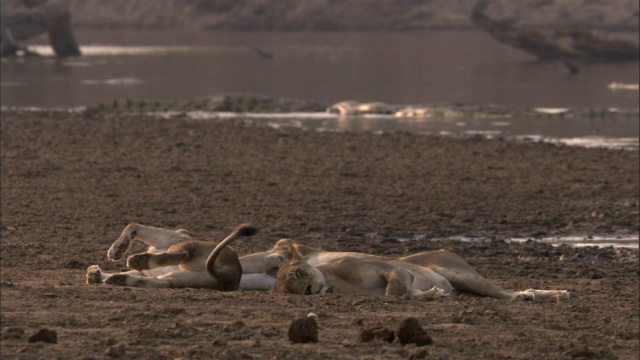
{"points": [[419, 354], [410, 331], [46, 335], [303, 330], [116, 351], [221, 340], [376, 332], [12, 333]]}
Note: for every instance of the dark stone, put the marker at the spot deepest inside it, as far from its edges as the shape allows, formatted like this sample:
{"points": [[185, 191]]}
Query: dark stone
{"points": [[303, 330], [46, 335], [376, 332], [410, 331]]}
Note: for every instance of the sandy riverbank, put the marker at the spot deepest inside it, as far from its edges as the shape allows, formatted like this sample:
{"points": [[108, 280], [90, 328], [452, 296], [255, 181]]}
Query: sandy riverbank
{"points": [[70, 183]]}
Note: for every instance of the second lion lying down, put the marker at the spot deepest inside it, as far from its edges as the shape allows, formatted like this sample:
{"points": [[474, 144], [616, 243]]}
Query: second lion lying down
{"points": [[298, 269], [429, 274]]}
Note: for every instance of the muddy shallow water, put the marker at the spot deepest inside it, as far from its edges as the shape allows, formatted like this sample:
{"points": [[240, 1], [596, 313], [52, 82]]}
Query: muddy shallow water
{"points": [[615, 132], [71, 182]]}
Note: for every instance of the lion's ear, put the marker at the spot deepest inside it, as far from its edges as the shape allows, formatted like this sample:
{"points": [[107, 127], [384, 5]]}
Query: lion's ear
{"points": [[283, 243], [294, 254]]}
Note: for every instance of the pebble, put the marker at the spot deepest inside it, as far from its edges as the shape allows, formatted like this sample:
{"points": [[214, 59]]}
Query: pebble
{"points": [[116, 351], [376, 332], [303, 330], [419, 354], [411, 332], [45, 335], [221, 340]]}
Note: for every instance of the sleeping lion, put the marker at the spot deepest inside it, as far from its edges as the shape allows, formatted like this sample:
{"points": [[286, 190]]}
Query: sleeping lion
{"points": [[429, 274]]}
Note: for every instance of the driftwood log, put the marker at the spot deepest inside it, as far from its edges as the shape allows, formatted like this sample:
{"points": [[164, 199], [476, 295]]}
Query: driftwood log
{"points": [[35, 18], [555, 44]]}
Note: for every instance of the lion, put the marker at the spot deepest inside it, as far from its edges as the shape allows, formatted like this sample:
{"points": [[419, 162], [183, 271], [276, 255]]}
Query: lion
{"points": [[428, 274], [259, 270], [174, 260]]}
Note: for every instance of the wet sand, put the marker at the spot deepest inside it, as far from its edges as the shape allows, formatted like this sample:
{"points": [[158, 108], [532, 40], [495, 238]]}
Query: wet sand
{"points": [[70, 183]]}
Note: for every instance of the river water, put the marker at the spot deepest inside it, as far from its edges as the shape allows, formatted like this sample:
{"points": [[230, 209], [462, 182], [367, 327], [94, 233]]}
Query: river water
{"points": [[432, 67]]}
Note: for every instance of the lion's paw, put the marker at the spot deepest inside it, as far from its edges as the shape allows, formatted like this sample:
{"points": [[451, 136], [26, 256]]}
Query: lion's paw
{"points": [[119, 248], [522, 296], [433, 293], [549, 295], [275, 261], [436, 292], [94, 274], [117, 280], [139, 261], [542, 295]]}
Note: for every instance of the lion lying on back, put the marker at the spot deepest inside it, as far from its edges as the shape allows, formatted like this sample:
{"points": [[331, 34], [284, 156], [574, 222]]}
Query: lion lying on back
{"points": [[174, 259]]}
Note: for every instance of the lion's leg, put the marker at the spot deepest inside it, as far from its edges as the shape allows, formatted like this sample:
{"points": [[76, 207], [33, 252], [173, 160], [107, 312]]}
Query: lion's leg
{"points": [[156, 238], [126, 279], [474, 283], [257, 282], [190, 279], [176, 279], [146, 261], [262, 262], [471, 281], [459, 273], [541, 295], [399, 282], [95, 275]]}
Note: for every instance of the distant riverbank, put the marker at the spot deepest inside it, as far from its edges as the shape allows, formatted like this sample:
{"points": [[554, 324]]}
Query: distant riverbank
{"points": [[363, 15]]}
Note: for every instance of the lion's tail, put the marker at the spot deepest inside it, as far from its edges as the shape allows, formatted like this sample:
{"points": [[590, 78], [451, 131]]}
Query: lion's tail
{"points": [[241, 231]]}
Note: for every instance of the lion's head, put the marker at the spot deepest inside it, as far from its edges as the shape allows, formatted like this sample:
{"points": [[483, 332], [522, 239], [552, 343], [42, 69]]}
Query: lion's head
{"points": [[298, 277]]}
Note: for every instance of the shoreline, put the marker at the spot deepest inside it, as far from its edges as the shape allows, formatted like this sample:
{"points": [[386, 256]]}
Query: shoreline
{"points": [[489, 121]]}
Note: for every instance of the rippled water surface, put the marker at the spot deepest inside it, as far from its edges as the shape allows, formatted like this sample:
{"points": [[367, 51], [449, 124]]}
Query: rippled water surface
{"points": [[398, 68], [405, 68]]}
